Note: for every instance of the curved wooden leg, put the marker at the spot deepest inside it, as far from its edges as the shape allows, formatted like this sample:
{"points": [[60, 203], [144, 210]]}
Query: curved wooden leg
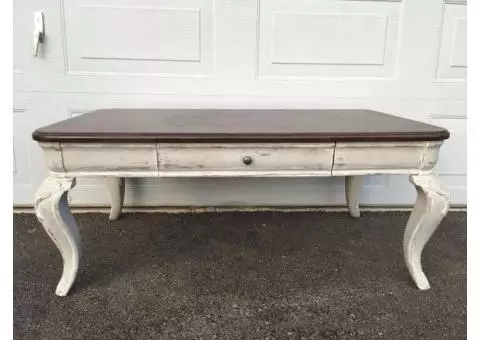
{"points": [[353, 187], [52, 210], [116, 189], [431, 206]]}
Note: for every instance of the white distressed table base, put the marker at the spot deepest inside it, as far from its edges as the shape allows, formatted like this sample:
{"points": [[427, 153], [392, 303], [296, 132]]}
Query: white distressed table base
{"points": [[52, 210], [116, 190], [353, 187], [431, 206], [353, 160]]}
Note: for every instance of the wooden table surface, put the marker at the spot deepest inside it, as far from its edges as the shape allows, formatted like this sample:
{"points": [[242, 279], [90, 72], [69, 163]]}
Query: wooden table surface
{"points": [[237, 126]]}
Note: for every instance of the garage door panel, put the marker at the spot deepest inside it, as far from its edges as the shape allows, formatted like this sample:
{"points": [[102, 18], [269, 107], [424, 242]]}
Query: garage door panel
{"points": [[141, 37], [331, 39]]}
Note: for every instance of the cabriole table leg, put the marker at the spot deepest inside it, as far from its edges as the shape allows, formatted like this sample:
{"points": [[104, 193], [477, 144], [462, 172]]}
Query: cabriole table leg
{"points": [[116, 190], [51, 208], [431, 206], [353, 187]]}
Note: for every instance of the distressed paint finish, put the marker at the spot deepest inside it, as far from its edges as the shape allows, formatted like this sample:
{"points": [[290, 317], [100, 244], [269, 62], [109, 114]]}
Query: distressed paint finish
{"points": [[265, 157], [115, 161], [116, 190], [52, 210], [216, 160], [431, 206], [109, 157], [353, 187], [386, 158], [52, 153]]}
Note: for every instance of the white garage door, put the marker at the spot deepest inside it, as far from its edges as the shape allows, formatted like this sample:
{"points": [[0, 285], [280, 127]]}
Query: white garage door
{"points": [[404, 57]]}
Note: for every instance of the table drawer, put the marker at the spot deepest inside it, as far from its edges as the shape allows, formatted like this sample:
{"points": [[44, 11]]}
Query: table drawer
{"points": [[385, 157], [245, 157]]}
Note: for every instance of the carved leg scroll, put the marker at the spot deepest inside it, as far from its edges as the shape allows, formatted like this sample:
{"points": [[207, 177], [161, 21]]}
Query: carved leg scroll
{"points": [[116, 189], [431, 206], [51, 208], [353, 187]]}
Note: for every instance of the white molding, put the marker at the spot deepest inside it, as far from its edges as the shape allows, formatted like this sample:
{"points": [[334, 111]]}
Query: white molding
{"points": [[70, 71], [440, 117], [14, 165], [455, 2], [200, 173]]}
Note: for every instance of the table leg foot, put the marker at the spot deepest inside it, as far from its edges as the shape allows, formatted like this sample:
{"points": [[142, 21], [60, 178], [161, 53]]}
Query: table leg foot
{"points": [[353, 187], [431, 206], [53, 212], [116, 190]]}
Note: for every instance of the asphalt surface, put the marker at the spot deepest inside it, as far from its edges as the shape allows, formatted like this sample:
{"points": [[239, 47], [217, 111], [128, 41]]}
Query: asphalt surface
{"points": [[241, 275]]}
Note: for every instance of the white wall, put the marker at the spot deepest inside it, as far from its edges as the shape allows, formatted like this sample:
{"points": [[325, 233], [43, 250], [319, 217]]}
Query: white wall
{"points": [[406, 58]]}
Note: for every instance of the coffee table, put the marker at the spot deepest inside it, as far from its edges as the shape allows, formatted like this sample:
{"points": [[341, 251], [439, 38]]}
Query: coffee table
{"points": [[119, 143]]}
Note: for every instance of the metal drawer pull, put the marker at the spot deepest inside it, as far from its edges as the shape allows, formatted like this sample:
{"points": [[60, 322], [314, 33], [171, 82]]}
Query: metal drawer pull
{"points": [[247, 160]]}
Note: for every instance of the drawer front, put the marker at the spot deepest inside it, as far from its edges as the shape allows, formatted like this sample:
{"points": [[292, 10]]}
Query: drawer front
{"points": [[244, 157], [386, 157], [109, 157]]}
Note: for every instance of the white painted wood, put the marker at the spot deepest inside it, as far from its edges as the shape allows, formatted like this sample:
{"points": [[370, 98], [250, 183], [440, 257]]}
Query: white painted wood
{"points": [[52, 210], [265, 157], [53, 156], [116, 191], [202, 174], [431, 206], [109, 157], [226, 160], [353, 187], [393, 158]]}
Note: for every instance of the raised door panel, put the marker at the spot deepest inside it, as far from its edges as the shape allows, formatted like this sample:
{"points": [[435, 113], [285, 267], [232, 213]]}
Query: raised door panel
{"points": [[21, 28], [327, 39], [452, 164], [139, 37], [453, 153], [22, 169], [28, 163], [452, 58]]}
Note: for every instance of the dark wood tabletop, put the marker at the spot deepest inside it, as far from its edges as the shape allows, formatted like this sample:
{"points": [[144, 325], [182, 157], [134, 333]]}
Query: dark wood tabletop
{"points": [[237, 126]]}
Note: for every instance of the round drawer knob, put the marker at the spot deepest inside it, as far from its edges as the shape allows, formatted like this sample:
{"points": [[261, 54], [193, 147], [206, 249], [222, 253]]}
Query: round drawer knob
{"points": [[247, 160]]}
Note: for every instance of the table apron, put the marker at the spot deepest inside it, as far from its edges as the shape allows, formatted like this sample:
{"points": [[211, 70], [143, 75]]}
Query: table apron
{"points": [[229, 160]]}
